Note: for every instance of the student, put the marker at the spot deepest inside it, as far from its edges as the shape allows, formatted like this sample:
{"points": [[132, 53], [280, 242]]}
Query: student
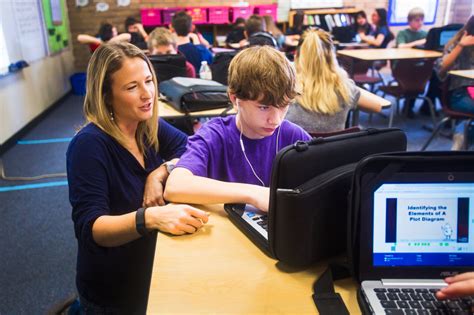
{"points": [[459, 55], [107, 34], [115, 166], [282, 40], [237, 33], [413, 36], [381, 34], [254, 24], [162, 42], [229, 159], [461, 285], [361, 25], [139, 36], [195, 53], [197, 38], [327, 94]]}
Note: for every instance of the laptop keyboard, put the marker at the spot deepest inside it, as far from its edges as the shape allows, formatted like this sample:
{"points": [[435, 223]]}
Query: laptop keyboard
{"points": [[261, 219], [420, 302]]}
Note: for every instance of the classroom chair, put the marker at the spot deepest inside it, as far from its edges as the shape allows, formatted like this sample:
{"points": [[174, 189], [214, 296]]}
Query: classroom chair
{"points": [[411, 76], [168, 66], [450, 116]]}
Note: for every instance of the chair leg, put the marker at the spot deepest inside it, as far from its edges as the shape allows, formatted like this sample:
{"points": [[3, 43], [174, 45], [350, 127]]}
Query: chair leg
{"points": [[465, 144], [432, 108], [435, 132], [392, 113]]}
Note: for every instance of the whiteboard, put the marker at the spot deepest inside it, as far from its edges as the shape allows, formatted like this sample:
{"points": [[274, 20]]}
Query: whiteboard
{"points": [[23, 28], [398, 10]]}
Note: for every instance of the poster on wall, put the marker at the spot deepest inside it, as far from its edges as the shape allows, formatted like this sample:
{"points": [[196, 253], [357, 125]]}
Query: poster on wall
{"points": [[55, 19], [398, 10]]}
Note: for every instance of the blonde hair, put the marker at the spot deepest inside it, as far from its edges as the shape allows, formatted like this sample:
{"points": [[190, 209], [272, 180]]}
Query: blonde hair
{"points": [[323, 83], [271, 26], [262, 73], [161, 37], [105, 61]]}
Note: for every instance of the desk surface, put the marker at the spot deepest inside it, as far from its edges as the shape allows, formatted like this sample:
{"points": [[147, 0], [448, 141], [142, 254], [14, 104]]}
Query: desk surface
{"points": [[167, 111], [389, 54], [218, 270], [469, 74]]}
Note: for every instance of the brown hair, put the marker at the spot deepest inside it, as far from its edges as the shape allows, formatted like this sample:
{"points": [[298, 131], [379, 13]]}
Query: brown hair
{"points": [[106, 60], [161, 37], [416, 13], [469, 26], [262, 73], [255, 24]]}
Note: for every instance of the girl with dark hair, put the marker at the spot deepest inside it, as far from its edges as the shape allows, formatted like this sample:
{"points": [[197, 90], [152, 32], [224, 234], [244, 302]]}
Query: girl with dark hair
{"points": [[298, 21], [361, 24], [381, 34], [107, 34]]}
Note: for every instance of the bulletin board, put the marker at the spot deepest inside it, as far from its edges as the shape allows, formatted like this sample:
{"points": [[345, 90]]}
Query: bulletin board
{"points": [[57, 24]]}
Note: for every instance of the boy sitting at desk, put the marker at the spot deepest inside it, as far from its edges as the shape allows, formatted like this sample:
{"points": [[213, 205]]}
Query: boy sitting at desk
{"points": [[229, 159], [413, 36]]}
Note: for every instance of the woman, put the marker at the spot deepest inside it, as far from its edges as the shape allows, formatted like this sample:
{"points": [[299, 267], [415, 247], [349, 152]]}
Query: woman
{"points": [[381, 34], [107, 34], [327, 94], [115, 166], [361, 25], [459, 55]]}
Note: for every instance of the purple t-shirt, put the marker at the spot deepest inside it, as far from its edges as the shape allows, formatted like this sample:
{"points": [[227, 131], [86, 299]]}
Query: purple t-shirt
{"points": [[215, 151]]}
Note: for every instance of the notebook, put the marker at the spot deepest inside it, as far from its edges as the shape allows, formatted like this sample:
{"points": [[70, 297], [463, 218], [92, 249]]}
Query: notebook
{"points": [[419, 230]]}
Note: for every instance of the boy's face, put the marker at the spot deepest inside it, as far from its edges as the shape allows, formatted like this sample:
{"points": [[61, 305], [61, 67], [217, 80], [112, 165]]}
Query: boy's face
{"points": [[416, 23], [132, 28], [164, 50], [258, 121]]}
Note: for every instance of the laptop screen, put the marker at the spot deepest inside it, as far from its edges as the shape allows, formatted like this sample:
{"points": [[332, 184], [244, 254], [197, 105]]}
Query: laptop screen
{"points": [[423, 224], [445, 36]]}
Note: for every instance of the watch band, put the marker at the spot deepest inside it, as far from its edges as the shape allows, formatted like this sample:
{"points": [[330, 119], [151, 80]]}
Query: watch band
{"points": [[140, 222]]}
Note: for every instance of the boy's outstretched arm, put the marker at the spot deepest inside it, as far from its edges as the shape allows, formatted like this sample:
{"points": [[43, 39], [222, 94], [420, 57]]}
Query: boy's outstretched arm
{"points": [[184, 187]]}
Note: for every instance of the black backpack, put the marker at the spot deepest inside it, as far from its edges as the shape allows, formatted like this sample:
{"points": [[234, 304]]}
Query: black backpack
{"points": [[220, 66], [168, 66]]}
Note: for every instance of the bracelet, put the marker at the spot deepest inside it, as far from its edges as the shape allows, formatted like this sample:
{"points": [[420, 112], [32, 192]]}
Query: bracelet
{"points": [[140, 222]]}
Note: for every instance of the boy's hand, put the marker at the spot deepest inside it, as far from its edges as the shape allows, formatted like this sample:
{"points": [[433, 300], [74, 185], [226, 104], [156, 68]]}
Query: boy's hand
{"points": [[458, 286], [260, 197]]}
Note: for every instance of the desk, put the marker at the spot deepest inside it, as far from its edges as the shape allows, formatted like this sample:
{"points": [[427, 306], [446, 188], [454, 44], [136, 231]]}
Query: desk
{"points": [[218, 270], [167, 111], [389, 54], [467, 74]]}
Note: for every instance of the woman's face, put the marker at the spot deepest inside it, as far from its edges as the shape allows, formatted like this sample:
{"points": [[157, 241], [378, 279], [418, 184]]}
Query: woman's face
{"points": [[361, 20], [375, 18], [133, 92]]}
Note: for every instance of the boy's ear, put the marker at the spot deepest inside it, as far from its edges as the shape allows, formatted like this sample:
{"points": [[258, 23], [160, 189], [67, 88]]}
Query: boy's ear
{"points": [[233, 98]]}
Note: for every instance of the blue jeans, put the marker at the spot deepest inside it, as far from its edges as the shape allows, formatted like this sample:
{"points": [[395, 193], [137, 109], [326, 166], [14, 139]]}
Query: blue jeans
{"points": [[461, 101]]}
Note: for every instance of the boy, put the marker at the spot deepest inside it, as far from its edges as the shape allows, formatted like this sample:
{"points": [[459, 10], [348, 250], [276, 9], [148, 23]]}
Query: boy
{"points": [[229, 159], [138, 34], [182, 25], [413, 36], [162, 42]]}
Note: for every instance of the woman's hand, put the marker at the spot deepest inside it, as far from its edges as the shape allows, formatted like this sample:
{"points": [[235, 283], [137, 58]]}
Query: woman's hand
{"points": [[466, 40], [458, 286], [177, 219], [154, 187]]}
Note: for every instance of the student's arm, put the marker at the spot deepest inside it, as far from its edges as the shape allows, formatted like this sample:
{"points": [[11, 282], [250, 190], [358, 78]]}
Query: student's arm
{"points": [[184, 186], [142, 31], [415, 43], [87, 39], [370, 102], [458, 286], [450, 58], [124, 37], [117, 230], [377, 41]]}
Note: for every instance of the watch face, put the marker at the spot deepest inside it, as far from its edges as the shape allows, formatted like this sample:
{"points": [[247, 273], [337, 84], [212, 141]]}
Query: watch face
{"points": [[170, 167]]}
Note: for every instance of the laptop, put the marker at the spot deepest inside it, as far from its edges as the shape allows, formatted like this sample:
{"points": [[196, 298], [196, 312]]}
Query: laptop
{"points": [[418, 228]]}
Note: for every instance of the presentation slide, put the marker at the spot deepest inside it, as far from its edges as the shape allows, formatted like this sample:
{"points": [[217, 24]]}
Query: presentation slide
{"points": [[424, 224]]}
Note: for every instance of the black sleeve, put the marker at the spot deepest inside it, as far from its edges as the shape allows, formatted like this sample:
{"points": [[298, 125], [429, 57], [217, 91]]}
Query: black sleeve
{"points": [[171, 140]]}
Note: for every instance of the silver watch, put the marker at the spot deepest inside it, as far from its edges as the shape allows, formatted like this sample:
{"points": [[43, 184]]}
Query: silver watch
{"points": [[170, 166]]}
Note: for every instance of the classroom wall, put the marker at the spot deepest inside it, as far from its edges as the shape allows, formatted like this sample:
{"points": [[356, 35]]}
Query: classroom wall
{"points": [[26, 94]]}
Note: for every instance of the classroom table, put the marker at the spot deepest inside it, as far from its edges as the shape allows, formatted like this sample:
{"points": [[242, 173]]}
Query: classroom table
{"points": [[389, 54], [165, 110], [467, 74], [219, 270]]}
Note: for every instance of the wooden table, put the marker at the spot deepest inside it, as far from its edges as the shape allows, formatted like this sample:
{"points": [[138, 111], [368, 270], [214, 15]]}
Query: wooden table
{"points": [[167, 111], [218, 270], [468, 74], [389, 54]]}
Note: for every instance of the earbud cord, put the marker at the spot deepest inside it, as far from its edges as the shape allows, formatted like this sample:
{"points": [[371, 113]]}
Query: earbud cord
{"points": [[245, 155]]}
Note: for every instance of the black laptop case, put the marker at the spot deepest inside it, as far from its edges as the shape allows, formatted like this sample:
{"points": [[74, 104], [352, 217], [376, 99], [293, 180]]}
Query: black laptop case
{"points": [[309, 193]]}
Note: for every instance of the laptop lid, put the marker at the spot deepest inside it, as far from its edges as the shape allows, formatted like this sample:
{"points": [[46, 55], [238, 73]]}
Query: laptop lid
{"points": [[417, 225]]}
